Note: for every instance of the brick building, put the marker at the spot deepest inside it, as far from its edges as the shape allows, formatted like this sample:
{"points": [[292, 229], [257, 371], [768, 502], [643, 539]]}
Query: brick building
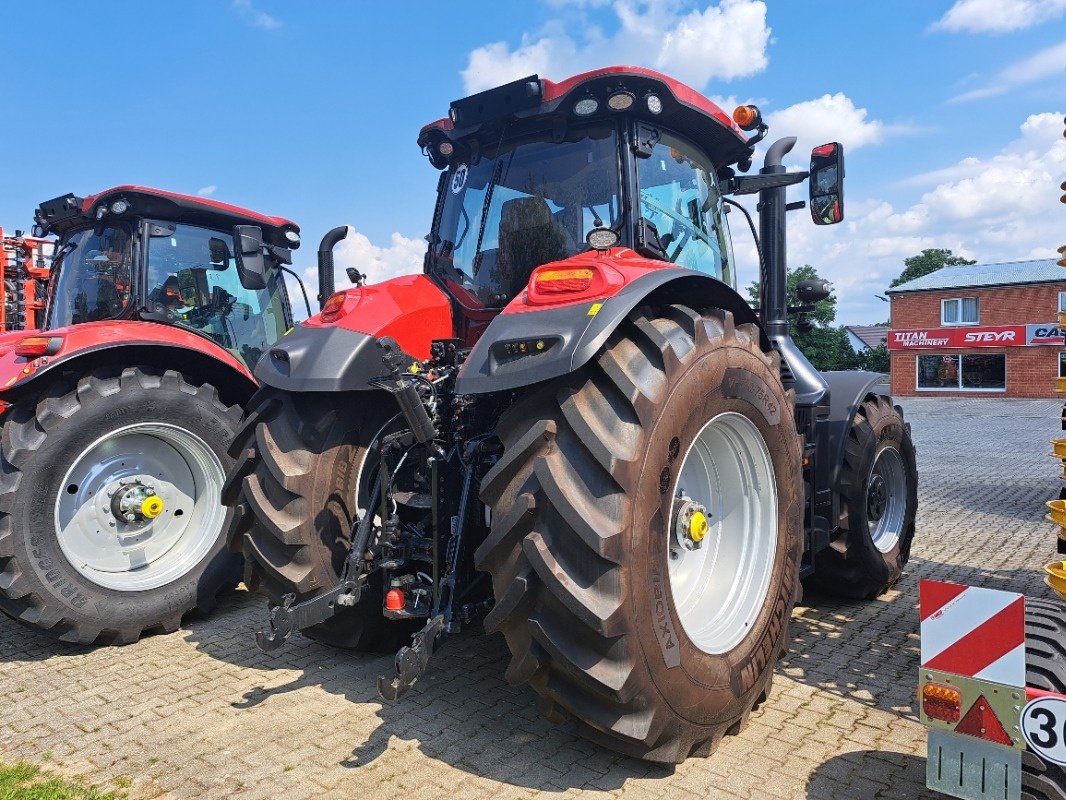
{"points": [[989, 329]]}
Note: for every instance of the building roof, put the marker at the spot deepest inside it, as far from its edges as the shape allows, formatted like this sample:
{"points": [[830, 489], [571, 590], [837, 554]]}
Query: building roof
{"points": [[870, 335], [1044, 270]]}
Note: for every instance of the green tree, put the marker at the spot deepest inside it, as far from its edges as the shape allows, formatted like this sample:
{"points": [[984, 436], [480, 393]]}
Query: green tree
{"points": [[825, 345], [876, 359], [929, 260]]}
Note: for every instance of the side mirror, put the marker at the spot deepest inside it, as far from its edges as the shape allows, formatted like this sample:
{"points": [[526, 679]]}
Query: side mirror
{"points": [[827, 184], [251, 265]]}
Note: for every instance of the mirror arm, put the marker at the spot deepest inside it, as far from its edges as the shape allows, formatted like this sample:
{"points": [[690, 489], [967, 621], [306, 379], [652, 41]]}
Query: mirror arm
{"points": [[301, 285], [750, 184]]}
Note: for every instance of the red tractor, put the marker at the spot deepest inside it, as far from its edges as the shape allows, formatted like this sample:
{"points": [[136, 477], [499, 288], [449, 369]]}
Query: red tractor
{"points": [[572, 427], [118, 411]]}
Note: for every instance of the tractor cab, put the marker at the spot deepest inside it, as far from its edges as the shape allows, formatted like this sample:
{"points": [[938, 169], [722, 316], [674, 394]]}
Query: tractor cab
{"points": [[132, 253], [537, 172]]}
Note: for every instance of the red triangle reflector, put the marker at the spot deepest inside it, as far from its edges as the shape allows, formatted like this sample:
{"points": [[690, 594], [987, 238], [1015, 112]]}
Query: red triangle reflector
{"points": [[981, 721]]}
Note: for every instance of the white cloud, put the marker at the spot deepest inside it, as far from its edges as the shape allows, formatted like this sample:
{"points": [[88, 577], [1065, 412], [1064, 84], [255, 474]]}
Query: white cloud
{"points": [[1004, 207], [998, 16], [725, 40], [402, 256], [831, 118], [206, 191], [255, 17], [1044, 64]]}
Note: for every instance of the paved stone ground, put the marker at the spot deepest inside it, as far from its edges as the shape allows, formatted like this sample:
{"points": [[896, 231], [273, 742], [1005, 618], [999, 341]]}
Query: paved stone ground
{"points": [[202, 713]]}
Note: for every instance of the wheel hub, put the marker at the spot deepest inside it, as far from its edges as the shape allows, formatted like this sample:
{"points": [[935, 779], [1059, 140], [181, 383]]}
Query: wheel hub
{"points": [[876, 498], [690, 524], [133, 501]]}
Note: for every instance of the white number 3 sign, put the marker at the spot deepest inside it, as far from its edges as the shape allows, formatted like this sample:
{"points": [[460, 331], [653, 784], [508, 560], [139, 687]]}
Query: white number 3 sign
{"points": [[1044, 726]]}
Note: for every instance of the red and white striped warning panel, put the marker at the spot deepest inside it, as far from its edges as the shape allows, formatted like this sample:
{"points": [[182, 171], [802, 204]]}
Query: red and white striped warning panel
{"points": [[979, 633]]}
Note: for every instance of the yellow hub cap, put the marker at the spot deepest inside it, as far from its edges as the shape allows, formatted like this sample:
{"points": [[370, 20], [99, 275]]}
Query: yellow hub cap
{"points": [[697, 526], [152, 507]]}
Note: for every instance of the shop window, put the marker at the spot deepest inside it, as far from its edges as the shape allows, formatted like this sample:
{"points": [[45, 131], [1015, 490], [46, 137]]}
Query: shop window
{"points": [[959, 311], [1062, 365], [964, 373]]}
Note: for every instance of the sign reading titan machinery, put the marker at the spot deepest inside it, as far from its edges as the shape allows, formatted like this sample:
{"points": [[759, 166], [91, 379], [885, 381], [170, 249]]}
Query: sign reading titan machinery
{"points": [[962, 337]]}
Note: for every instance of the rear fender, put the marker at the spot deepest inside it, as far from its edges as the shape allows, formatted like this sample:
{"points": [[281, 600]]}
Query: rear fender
{"points": [[573, 334], [123, 342], [233, 382]]}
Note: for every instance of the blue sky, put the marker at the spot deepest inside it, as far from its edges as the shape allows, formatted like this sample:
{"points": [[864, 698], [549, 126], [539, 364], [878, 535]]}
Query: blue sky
{"points": [[951, 113]]}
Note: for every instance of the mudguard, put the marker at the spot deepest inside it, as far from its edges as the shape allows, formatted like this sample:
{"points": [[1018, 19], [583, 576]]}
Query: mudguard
{"points": [[847, 391], [571, 335], [98, 339], [322, 359]]}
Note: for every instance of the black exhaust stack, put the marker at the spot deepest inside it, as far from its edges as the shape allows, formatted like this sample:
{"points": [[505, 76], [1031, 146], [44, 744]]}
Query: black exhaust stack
{"points": [[326, 285], [811, 387]]}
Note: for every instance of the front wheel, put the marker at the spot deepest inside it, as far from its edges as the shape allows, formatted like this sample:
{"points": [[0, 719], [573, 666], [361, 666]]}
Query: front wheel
{"points": [[110, 521], [646, 534], [878, 500]]}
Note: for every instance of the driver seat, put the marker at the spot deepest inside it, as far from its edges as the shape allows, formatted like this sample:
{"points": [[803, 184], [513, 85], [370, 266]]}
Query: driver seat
{"points": [[529, 236]]}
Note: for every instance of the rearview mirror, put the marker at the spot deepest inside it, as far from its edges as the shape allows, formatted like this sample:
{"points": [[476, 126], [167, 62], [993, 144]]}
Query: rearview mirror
{"points": [[251, 266], [827, 184]]}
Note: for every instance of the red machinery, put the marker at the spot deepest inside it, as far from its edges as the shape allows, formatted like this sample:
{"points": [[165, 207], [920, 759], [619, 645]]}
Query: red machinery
{"points": [[117, 411], [25, 262]]}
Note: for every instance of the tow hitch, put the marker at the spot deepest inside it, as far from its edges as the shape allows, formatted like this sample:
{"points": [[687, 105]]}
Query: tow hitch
{"points": [[411, 661]]}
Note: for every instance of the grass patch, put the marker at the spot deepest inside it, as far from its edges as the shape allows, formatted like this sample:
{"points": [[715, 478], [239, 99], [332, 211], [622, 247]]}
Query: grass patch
{"points": [[24, 781]]}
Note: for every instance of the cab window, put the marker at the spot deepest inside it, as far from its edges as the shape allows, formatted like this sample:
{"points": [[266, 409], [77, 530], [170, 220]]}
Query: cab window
{"points": [[192, 281], [679, 195]]}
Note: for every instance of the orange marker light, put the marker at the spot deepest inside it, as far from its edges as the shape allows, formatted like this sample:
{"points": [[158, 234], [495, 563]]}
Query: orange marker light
{"points": [[942, 702], [332, 308], [37, 346], [747, 117]]}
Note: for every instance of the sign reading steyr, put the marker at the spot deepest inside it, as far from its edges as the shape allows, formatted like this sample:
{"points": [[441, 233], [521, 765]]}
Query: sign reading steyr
{"points": [[962, 337]]}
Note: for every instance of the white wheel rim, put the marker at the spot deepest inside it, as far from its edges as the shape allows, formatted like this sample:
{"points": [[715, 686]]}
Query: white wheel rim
{"points": [[168, 462], [886, 499], [720, 588]]}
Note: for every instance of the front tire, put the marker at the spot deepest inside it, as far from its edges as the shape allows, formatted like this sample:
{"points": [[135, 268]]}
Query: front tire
{"points": [[302, 477], [878, 501], [86, 553], [584, 506]]}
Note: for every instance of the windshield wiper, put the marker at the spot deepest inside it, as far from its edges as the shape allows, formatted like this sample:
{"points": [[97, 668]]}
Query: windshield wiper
{"points": [[496, 172]]}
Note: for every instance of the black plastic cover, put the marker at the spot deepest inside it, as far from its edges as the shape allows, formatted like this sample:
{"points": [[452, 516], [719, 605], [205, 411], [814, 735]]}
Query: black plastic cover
{"points": [[328, 359]]}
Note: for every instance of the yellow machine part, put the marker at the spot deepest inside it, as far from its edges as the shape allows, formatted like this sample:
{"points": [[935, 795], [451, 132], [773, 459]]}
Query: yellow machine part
{"points": [[1056, 577], [152, 507]]}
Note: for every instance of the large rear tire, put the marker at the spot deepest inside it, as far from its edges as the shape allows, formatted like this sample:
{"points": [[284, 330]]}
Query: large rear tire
{"points": [[878, 501], [110, 524], [600, 620], [1045, 668], [301, 478]]}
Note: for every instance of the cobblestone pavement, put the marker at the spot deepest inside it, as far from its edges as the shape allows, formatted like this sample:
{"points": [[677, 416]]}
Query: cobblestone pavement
{"points": [[203, 713]]}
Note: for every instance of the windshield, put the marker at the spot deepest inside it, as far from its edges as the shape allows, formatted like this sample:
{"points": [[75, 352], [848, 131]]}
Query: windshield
{"points": [[192, 282], [91, 277], [524, 204]]}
